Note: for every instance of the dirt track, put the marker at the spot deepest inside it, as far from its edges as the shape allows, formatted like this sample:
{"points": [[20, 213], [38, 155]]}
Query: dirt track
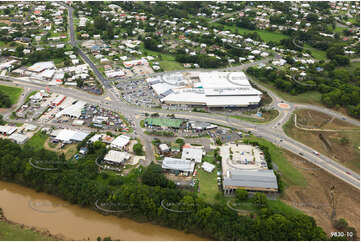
{"points": [[315, 198]]}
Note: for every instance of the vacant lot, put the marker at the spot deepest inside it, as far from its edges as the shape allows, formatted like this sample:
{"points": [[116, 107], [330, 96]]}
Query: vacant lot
{"points": [[37, 141], [314, 199], [12, 92], [208, 185], [342, 146]]}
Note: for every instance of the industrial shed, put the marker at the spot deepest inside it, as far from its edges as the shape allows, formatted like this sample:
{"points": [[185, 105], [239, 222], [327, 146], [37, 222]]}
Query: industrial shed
{"points": [[251, 180]]}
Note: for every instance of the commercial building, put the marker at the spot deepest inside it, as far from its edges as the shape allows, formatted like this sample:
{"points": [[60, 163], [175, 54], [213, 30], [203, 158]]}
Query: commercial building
{"points": [[251, 180], [69, 136], [192, 154], [244, 167], [58, 100], [7, 130], [120, 142], [73, 111], [114, 157], [19, 138], [178, 166], [211, 89], [208, 167]]}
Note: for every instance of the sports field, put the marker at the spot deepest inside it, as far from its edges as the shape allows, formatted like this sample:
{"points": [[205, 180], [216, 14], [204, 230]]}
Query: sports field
{"points": [[164, 122]]}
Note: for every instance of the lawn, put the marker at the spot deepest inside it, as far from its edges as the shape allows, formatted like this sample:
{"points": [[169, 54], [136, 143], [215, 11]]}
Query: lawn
{"points": [[12, 232], [12, 92], [310, 97], [167, 65], [342, 146], [266, 117], [37, 141], [289, 174], [318, 54], [209, 157], [208, 185], [265, 35]]}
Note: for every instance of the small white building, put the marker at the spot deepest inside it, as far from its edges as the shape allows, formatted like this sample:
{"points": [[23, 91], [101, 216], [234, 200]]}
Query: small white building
{"points": [[116, 157]]}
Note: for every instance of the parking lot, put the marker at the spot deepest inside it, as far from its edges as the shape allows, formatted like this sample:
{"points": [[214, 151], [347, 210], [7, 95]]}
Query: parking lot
{"points": [[137, 92]]}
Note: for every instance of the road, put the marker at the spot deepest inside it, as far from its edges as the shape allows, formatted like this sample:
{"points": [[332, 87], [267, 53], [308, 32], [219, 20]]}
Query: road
{"points": [[271, 131]]}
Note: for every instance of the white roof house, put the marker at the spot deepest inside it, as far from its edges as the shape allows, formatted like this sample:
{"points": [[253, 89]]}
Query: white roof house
{"points": [[164, 147], [95, 138], [208, 167], [192, 154], [120, 142], [117, 157], [40, 66]]}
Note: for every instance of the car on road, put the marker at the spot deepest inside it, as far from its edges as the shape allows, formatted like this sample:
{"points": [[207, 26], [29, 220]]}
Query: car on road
{"points": [[343, 118], [348, 173], [316, 153], [300, 153]]}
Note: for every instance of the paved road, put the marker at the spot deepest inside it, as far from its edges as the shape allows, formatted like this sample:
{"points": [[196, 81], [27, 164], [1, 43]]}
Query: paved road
{"points": [[271, 131]]}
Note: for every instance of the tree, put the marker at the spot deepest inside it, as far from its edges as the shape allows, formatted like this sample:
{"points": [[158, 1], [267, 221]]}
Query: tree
{"points": [[218, 141], [138, 149], [241, 195], [340, 224], [260, 200], [344, 140]]}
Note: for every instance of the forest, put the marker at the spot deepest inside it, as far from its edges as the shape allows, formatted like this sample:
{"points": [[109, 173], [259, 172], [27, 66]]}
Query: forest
{"points": [[141, 192]]}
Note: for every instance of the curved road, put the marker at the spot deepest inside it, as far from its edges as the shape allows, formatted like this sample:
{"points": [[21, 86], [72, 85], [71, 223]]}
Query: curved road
{"points": [[271, 131]]}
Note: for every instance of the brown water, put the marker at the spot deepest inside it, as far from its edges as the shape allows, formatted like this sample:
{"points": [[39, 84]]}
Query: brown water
{"points": [[43, 211]]}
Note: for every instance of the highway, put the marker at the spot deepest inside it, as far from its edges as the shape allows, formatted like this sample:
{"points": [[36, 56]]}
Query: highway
{"points": [[271, 131]]}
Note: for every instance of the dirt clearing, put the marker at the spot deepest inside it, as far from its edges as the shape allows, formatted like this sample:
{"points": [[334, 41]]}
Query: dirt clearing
{"points": [[315, 198]]}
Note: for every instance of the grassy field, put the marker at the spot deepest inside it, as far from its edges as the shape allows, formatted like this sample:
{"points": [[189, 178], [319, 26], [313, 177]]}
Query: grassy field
{"points": [[266, 117], [311, 97], [12, 92], [289, 174], [342, 146], [265, 35], [166, 61], [12, 232], [37, 141], [318, 54], [208, 185]]}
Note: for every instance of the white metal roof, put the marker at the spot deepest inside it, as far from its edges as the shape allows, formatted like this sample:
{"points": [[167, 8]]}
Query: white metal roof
{"points": [[120, 141], [194, 154], [72, 110], [7, 129], [178, 164], [116, 156]]}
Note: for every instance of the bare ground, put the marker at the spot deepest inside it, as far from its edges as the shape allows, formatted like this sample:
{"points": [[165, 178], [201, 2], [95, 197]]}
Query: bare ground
{"points": [[315, 198]]}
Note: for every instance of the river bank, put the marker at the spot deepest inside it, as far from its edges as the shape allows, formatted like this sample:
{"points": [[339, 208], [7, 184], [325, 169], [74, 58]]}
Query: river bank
{"points": [[10, 230], [62, 220]]}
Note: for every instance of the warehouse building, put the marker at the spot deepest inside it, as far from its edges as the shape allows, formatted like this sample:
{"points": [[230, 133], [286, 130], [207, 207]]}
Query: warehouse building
{"points": [[7, 130], [211, 89], [120, 142], [69, 136], [19, 138], [178, 166], [251, 180]]}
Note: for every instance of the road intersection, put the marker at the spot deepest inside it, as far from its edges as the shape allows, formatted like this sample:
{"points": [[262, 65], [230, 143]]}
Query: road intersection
{"points": [[271, 131]]}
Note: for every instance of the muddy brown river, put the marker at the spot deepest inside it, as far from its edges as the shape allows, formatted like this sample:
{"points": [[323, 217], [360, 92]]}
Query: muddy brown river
{"points": [[45, 212]]}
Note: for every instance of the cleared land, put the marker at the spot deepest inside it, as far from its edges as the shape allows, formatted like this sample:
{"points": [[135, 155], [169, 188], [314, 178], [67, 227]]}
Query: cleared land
{"points": [[12, 92], [314, 199], [342, 146], [37, 141]]}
